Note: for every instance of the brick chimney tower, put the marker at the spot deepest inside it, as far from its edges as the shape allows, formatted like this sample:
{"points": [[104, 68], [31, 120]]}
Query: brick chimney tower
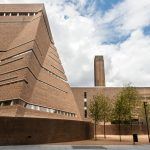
{"points": [[99, 72]]}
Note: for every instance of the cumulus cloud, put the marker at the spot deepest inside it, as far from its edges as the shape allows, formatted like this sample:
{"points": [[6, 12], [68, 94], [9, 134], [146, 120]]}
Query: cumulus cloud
{"points": [[81, 30], [130, 63]]}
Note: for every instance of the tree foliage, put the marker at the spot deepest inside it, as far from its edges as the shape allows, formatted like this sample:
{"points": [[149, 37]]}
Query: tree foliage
{"points": [[126, 104], [100, 109], [142, 112], [94, 109]]}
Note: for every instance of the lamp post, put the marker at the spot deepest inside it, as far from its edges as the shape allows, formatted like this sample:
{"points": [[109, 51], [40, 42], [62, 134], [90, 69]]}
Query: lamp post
{"points": [[146, 117]]}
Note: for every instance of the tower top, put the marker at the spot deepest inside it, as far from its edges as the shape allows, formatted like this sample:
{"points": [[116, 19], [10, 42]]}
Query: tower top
{"points": [[21, 7], [21, 10], [99, 57]]}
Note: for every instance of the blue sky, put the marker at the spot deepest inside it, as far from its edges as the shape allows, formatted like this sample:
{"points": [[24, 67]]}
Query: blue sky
{"points": [[146, 30], [100, 5], [117, 29], [104, 5]]}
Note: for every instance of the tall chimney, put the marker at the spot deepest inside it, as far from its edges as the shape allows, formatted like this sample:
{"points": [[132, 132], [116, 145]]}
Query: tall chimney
{"points": [[99, 73]]}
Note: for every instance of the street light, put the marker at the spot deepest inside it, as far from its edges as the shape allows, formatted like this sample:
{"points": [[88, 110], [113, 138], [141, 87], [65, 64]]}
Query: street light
{"points": [[146, 117]]}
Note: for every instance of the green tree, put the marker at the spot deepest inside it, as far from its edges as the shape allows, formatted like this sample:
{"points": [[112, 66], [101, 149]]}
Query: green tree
{"points": [[121, 112], [106, 108], [100, 110], [94, 111], [125, 105], [142, 112], [148, 112]]}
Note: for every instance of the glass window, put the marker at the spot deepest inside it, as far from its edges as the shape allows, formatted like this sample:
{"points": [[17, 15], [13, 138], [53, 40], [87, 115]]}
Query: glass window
{"points": [[43, 109], [85, 113], [85, 104], [6, 103], [32, 107], [37, 108], [85, 94], [12, 103], [62, 112], [51, 110], [2, 104], [14, 14], [28, 106]]}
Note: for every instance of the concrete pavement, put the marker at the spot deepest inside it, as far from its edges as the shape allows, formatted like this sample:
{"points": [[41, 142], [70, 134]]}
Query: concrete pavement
{"points": [[71, 147]]}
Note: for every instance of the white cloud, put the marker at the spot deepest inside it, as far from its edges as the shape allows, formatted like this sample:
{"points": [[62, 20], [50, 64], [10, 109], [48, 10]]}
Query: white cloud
{"points": [[79, 37], [129, 15], [131, 62]]}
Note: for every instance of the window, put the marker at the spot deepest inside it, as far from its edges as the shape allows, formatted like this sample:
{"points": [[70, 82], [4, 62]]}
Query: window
{"points": [[62, 112], [43, 109], [32, 106], [12, 103], [85, 104], [16, 101], [37, 108], [55, 111], [6, 103], [51, 110], [85, 94], [14, 14], [28, 106], [73, 115], [85, 113], [66, 113], [23, 14], [2, 104], [18, 13], [85, 100], [7, 14], [58, 112]]}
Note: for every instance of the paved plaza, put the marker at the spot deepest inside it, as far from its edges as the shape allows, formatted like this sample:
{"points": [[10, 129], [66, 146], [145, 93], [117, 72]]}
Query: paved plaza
{"points": [[110, 143], [71, 147]]}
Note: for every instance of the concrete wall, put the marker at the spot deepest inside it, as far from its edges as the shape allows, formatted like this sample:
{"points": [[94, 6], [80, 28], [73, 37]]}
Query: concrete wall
{"points": [[19, 130]]}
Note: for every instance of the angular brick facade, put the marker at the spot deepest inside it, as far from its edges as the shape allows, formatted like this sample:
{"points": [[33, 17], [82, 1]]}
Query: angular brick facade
{"points": [[31, 73]]}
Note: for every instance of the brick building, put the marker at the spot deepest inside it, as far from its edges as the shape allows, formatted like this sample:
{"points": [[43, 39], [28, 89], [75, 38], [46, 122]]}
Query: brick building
{"points": [[84, 95], [32, 78], [35, 97]]}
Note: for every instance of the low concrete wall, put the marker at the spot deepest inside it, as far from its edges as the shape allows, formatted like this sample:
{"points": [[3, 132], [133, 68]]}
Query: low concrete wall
{"points": [[21, 130], [125, 129]]}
